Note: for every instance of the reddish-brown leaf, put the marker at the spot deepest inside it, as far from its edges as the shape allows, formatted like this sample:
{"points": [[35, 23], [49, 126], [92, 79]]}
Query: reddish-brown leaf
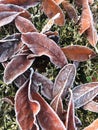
{"points": [[14, 8], [78, 53], [92, 126], [16, 67], [50, 8], [70, 11], [85, 93], [47, 118], [64, 79], [7, 17], [40, 45], [91, 106], [9, 100], [70, 117], [25, 109], [24, 25], [9, 46], [58, 1]]}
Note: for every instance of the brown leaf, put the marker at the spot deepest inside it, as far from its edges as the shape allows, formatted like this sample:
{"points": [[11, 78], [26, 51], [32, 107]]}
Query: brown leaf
{"points": [[47, 118], [92, 126], [91, 106], [85, 93], [9, 100], [78, 53], [24, 3], [25, 109], [9, 46], [64, 80], [45, 83], [50, 8], [24, 25], [40, 45], [14, 8], [58, 1], [82, 2], [16, 67], [71, 11], [70, 117], [7, 17]]}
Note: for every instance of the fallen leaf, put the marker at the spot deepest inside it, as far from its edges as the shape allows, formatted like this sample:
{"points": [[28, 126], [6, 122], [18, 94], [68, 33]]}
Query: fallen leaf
{"points": [[91, 106], [9, 46], [50, 8], [40, 45], [9, 100], [70, 117], [16, 67], [64, 79], [26, 26], [85, 93], [25, 109], [71, 11], [78, 53], [92, 126], [58, 1]]}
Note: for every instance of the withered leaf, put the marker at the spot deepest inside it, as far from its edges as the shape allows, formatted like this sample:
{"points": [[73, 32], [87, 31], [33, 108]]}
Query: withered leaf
{"points": [[40, 45], [25, 109], [64, 79], [24, 3], [47, 118], [58, 1], [9, 46], [9, 100], [70, 117], [16, 67], [84, 93], [82, 2], [50, 8], [24, 25], [78, 53], [14, 8], [92, 126], [7, 17], [70, 10], [91, 106], [45, 83]]}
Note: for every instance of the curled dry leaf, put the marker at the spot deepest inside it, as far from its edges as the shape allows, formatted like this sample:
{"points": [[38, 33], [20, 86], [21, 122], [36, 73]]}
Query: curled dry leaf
{"points": [[81, 2], [70, 117], [70, 10], [16, 67], [47, 118], [25, 109], [7, 17], [9, 100], [9, 46], [85, 93], [78, 53], [91, 106], [58, 1], [40, 45], [26, 26], [50, 8], [14, 8], [45, 83], [92, 126], [24, 3], [64, 79]]}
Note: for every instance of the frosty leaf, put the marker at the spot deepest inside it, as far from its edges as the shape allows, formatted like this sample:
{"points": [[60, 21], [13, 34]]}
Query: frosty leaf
{"points": [[92, 126], [91, 106], [40, 45], [50, 8], [78, 53], [7, 17], [84, 93], [26, 110], [70, 11], [16, 67], [70, 117], [26, 26], [45, 83], [47, 118], [9, 46], [14, 8], [64, 79]]}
